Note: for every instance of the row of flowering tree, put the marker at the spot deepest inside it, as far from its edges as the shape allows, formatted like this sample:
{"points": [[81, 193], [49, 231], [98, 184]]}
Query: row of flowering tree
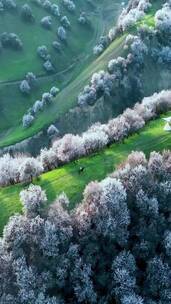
{"points": [[70, 147], [124, 76]]}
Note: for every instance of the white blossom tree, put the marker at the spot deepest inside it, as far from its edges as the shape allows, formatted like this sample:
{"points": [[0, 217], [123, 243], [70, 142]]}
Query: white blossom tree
{"points": [[29, 169], [32, 199]]}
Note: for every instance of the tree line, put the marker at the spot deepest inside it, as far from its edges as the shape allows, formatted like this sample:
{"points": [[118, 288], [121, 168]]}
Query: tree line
{"points": [[23, 168]]}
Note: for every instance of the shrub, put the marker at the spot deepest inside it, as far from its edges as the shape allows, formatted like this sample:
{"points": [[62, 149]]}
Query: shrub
{"points": [[62, 33], [70, 5], [55, 10], [98, 49], [47, 5], [38, 106], [11, 40], [47, 98], [52, 131], [25, 87], [48, 66], [26, 13], [65, 22], [31, 79], [83, 19], [46, 22], [27, 120], [42, 51], [56, 45], [54, 91]]}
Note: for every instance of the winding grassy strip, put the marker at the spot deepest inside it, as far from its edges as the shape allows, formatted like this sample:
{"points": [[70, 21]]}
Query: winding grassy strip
{"points": [[97, 166]]}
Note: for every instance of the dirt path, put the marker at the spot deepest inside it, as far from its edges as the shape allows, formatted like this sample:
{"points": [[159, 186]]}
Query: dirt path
{"points": [[44, 76]]}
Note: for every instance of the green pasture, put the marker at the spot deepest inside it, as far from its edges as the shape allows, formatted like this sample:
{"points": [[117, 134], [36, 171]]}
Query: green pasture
{"points": [[97, 167], [74, 66]]}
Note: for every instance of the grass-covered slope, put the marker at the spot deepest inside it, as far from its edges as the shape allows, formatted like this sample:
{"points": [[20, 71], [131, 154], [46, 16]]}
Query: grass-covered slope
{"points": [[14, 64], [76, 56], [72, 81], [65, 100], [97, 166]]}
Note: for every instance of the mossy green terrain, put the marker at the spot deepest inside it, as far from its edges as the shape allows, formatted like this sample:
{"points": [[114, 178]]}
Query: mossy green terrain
{"points": [[67, 178]]}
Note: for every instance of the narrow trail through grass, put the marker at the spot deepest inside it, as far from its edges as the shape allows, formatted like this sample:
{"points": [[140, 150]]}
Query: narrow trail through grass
{"points": [[97, 166]]}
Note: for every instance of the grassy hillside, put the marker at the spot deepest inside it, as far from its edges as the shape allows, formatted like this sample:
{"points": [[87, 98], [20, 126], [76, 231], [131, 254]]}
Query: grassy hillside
{"points": [[97, 166], [69, 64], [65, 100], [15, 64], [70, 82]]}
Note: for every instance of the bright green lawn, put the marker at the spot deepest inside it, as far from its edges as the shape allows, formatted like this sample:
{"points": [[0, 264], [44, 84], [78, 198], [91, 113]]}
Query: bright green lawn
{"points": [[97, 166]]}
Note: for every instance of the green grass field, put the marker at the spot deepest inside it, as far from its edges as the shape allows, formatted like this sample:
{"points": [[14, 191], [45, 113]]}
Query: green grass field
{"points": [[65, 100], [97, 166], [78, 54], [71, 83], [11, 130], [14, 64]]}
